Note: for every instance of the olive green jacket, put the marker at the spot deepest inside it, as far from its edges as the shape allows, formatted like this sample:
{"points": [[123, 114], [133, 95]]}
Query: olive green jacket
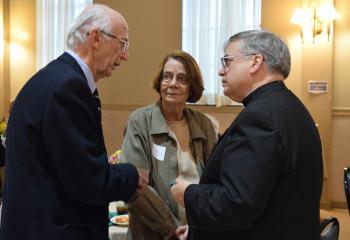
{"points": [[147, 137]]}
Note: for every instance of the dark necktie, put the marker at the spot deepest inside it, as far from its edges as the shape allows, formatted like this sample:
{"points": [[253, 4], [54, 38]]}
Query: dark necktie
{"points": [[97, 103]]}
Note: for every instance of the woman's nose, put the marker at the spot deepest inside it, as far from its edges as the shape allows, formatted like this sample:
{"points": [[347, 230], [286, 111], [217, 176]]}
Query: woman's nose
{"points": [[173, 82]]}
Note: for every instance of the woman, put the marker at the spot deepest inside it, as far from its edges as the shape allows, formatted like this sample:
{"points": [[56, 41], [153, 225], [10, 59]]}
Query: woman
{"points": [[170, 140]]}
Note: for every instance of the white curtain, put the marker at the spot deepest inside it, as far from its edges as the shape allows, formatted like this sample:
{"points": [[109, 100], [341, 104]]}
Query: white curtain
{"points": [[54, 18], [206, 25]]}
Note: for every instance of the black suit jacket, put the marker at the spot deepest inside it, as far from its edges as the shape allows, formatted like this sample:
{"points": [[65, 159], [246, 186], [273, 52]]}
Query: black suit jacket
{"points": [[264, 178], [2, 155], [58, 180]]}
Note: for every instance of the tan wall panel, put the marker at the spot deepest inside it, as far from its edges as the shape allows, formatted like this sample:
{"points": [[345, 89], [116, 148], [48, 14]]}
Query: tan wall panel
{"points": [[341, 97], [2, 98], [23, 43], [154, 30], [4, 58], [113, 122], [276, 17], [340, 155]]}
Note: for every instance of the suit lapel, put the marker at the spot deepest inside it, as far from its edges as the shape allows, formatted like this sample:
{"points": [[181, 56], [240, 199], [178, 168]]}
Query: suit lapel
{"points": [[65, 57]]}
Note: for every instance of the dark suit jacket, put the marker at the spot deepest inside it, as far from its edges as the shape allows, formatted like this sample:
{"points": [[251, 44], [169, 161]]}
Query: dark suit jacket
{"points": [[58, 180], [264, 178], [2, 155]]}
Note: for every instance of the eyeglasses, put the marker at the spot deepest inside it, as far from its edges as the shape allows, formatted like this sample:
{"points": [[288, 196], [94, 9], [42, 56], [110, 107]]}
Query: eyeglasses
{"points": [[167, 78], [125, 43], [227, 60]]}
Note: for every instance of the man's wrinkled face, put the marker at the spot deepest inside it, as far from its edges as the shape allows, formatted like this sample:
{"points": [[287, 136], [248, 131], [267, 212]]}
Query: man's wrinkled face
{"points": [[113, 50]]}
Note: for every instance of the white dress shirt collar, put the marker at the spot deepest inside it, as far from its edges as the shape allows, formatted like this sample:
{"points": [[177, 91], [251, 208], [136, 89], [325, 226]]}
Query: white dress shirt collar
{"points": [[86, 70]]}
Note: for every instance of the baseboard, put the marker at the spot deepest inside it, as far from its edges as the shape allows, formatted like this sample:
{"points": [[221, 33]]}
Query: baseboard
{"points": [[333, 204], [325, 205], [337, 204]]}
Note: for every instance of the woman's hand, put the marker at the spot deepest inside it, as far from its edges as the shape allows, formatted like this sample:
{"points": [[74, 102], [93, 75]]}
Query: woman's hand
{"points": [[181, 232]]}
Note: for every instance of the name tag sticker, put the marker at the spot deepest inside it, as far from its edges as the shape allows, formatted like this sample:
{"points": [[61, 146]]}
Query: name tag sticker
{"points": [[158, 152]]}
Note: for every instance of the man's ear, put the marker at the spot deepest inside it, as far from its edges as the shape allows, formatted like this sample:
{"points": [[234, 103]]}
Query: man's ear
{"points": [[256, 62], [94, 38]]}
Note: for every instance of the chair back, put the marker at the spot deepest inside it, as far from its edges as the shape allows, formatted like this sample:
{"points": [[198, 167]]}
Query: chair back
{"points": [[330, 229], [347, 186]]}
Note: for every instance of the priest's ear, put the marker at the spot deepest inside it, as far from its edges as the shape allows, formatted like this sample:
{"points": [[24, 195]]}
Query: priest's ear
{"points": [[256, 62]]}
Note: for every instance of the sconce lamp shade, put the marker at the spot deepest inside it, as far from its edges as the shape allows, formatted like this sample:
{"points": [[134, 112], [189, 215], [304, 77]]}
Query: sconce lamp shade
{"points": [[314, 21], [301, 16], [328, 13]]}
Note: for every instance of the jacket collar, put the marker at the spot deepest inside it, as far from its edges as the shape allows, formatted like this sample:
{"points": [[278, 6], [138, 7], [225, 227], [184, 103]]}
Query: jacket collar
{"points": [[159, 125], [85, 68], [195, 130], [264, 90], [65, 57]]}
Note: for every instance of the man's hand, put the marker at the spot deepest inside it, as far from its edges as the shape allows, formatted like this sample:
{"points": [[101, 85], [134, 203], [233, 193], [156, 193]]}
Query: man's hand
{"points": [[143, 179], [178, 190], [181, 232]]}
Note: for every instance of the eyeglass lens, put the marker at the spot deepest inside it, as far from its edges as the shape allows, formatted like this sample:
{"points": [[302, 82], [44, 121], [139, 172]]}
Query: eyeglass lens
{"points": [[168, 78]]}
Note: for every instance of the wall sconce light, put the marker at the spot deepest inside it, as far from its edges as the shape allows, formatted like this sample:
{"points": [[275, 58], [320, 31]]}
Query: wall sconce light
{"points": [[315, 21]]}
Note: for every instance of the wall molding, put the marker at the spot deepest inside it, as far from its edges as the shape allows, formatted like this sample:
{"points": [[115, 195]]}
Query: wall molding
{"points": [[341, 111], [121, 107], [210, 108], [214, 109], [202, 108]]}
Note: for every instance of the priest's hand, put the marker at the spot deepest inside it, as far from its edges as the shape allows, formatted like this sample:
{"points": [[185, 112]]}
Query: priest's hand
{"points": [[178, 190]]}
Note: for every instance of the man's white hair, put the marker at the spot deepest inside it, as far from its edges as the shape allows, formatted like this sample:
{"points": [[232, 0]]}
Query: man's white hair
{"points": [[95, 16]]}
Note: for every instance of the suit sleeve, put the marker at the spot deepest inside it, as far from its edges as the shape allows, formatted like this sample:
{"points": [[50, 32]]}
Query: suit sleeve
{"points": [[2, 155], [248, 170], [75, 146]]}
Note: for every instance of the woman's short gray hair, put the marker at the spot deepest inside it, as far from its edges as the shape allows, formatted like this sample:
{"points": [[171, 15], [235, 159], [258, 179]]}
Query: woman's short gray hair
{"points": [[274, 50], [93, 17]]}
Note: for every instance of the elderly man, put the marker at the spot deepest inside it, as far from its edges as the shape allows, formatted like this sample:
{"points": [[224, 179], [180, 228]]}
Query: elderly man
{"points": [[58, 180], [263, 179]]}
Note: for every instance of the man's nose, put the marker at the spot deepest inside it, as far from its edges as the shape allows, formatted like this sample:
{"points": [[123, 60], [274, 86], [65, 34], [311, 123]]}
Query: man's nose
{"points": [[125, 55], [221, 72]]}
